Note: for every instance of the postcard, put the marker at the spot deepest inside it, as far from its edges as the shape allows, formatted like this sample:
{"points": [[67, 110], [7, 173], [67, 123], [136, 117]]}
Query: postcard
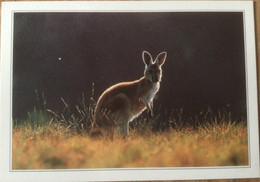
{"points": [[128, 90]]}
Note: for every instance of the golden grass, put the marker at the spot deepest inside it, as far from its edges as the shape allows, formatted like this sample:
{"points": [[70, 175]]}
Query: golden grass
{"points": [[51, 147]]}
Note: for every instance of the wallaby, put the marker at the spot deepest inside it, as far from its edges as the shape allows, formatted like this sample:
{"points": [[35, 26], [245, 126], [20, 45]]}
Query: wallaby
{"points": [[123, 102]]}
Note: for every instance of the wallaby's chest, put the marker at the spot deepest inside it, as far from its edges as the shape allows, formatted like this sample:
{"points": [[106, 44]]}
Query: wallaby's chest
{"points": [[149, 93]]}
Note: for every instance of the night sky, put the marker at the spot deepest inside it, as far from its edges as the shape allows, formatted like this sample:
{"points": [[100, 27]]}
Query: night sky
{"points": [[62, 54]]}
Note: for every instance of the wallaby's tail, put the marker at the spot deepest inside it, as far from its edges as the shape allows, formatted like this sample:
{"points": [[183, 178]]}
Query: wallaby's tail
{"points": [[95, 131]]}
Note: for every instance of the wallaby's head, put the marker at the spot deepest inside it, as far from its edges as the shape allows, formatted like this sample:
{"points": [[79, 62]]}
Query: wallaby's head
{"points": [[153, 70]]}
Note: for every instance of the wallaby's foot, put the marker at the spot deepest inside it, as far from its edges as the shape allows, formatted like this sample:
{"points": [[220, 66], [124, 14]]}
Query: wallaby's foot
{"points": [[95, 134]]}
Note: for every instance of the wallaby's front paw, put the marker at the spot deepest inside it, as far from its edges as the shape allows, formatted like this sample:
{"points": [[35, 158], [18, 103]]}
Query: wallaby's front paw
{"points": [[150, 114]]}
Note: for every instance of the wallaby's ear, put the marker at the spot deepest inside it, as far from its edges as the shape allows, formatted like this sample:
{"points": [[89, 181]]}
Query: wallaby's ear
{"points": [[160, 59], [147, 58]]}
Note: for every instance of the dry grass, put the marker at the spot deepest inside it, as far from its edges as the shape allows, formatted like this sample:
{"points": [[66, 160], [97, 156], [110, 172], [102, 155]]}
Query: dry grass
{"points": [[53, 146], [51, 140]]}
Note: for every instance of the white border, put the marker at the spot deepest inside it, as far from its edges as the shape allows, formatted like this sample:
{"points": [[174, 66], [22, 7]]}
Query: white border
{"points": [[7, 174]]}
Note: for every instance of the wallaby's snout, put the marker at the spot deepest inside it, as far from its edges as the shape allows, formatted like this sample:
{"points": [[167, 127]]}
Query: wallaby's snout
{"points": [[153, 73]]}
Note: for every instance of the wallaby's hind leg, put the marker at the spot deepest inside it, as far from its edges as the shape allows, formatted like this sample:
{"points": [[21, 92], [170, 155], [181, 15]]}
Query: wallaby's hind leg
{"points": [[121, 112], [123, 124]]}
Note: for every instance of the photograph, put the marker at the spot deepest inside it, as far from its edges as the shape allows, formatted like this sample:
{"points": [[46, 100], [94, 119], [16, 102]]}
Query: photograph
{"points": [[172, 85], [114, 90]]}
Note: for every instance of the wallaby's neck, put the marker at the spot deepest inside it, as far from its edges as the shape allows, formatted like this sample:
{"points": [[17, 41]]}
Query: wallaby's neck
{"points": [[146, 81], [145, 86]]}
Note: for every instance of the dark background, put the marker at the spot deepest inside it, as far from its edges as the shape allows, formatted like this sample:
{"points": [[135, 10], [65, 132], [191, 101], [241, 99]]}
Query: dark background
{"points": [[62, 54]]}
